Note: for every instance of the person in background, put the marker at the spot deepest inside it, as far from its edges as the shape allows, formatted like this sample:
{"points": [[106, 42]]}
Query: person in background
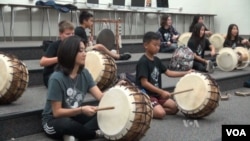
{"points": [[49, 59], [86, 21], [198, 44], [149, 69], [169, 35], [199, 19], [233, 39]]}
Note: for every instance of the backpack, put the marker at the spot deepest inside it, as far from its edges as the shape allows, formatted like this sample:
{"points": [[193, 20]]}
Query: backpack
{"points": [[182, 59]]}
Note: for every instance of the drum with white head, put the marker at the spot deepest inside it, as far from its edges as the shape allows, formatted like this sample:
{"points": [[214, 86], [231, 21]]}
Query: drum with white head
{"points": [[183, 39], [202, 100], [217, 41], [229, 59], [131, 117], [102, 67], [14, 78]]}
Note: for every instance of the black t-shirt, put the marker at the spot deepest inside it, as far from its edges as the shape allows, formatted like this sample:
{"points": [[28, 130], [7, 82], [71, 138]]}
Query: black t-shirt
{"points": [[233, 43], [200, 47], [51, 52], [80, 31], [167, 34], [151, 70]]}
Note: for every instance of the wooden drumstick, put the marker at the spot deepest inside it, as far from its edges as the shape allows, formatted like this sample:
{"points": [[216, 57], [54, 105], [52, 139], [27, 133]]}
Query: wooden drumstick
{"points": [[174, 93], [105, 108]]}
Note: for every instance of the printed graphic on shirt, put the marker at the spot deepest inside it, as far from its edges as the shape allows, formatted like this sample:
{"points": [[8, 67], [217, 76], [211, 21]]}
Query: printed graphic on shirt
{"points": [[167, 36], [74, 97], [234, 45], [199, 50], [154, 76]]}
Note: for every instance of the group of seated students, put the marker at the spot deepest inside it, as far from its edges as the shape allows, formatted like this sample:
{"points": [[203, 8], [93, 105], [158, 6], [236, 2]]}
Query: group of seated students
{"points": [[65, 113], [198, 41], [66, 29]]}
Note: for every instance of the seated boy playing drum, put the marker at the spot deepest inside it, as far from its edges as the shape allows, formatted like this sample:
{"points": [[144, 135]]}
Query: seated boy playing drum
{"points": [[148, 77]]}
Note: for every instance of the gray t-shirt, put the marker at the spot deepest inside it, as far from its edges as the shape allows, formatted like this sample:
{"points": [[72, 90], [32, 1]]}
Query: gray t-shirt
{"points": [[70, 92]]}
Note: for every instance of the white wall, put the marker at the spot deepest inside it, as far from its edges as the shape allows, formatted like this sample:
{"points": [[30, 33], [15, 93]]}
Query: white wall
{"points": [[193, 6], [233, 11]]}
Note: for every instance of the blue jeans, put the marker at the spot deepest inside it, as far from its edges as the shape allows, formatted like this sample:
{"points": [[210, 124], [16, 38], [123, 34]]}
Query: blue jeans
{"points": [[169, 49]]}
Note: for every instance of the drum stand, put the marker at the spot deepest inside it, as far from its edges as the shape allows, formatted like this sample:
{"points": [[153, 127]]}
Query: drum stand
{"points": [[117, 30]]}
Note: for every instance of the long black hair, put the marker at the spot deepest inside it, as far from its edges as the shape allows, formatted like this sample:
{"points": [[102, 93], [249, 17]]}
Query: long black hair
{"points": [[66, 54], [196, 34], [164, 19], [229, 32], [195, 21]]}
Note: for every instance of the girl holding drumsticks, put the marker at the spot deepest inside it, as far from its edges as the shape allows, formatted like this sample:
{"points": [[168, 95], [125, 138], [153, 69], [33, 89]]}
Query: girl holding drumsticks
{"points": [[64, 114]]}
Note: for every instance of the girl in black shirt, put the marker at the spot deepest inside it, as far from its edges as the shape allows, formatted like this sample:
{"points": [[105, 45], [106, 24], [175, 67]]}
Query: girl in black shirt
{"points": [[233, 39]]}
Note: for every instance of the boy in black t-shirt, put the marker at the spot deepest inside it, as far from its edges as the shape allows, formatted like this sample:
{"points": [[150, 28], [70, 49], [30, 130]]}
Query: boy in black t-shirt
{"points": [[49, 59], [148, 77], [86, 21]]}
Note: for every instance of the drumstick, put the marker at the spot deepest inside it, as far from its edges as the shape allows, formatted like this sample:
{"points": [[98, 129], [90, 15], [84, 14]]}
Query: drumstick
{"points": [[174, 93], [105, 108]]}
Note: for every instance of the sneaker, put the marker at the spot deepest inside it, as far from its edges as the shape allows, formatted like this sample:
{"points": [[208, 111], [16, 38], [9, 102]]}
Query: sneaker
{"points": [[124, 56], [210, 66], [224, 96], [99, 134], [242, 93], [69, 138]]}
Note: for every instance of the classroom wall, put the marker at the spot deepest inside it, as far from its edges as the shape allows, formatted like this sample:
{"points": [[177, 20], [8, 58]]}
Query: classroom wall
{"points": [[234, 12]]}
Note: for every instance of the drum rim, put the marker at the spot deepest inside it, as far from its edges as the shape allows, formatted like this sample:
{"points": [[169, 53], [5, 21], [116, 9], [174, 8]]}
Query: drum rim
{"points": [[234, 56]]}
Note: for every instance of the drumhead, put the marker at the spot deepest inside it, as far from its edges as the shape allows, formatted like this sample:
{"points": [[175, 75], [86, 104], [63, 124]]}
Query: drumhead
{"points": [[217, 41], [245, 54], [192, 101], [107, 38], [95, 64], [227, 59], [183, 39], [5, 74], [116, 122]]}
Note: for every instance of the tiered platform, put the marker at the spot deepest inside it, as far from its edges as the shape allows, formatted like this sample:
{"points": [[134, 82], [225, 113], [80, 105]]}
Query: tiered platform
{"points": [[21, 120]]}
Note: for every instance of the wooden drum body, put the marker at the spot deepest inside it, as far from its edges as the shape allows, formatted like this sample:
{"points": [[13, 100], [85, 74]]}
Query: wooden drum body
{"points": [[14, 78], [102, 67], [131, 117], [202, 100]]}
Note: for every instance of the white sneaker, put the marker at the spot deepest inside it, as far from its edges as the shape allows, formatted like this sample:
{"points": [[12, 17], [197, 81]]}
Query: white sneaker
{"points": [[69, 138], [210, 66]]}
